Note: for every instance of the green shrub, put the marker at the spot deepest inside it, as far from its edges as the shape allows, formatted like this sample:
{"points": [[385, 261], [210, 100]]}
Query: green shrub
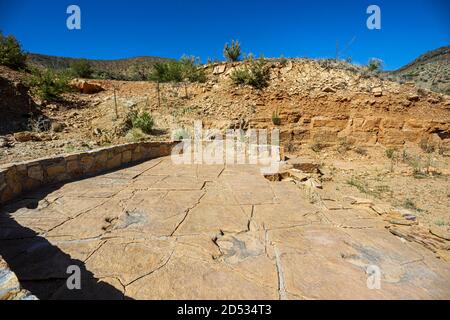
{"points": [[11, 54], [391, 153], [191, 71], [255, 74], [138, 120], [259, 74], [409, 204], [318, 146], [144, 121], [240, 76], [180, 134], [139, 71], [232, 52], [374, 65], [81, 68], [47, 84], [344, 146], [186, 69], [276, 118], [427, 146], [361, 151]]}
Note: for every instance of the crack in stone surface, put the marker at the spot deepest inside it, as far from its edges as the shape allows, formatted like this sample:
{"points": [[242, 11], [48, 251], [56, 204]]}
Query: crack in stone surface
{"points": [[153, 271], [186, 214], [280, 273]]}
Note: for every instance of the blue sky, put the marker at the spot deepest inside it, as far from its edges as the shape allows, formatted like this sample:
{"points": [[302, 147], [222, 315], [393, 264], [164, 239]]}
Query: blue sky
{"points": [[171, 28]]}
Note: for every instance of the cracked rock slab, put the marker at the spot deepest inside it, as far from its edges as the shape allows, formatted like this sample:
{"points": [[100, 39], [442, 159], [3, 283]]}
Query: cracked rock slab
{"points": [[163, 231]]}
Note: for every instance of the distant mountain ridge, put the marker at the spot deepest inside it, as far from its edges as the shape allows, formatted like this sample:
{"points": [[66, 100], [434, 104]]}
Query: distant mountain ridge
{"points": [[120, 69], [429, 71]]}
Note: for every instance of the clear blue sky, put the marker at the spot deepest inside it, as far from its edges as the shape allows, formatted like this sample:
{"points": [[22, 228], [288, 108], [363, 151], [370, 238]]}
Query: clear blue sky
{"points": [[171, 28]]}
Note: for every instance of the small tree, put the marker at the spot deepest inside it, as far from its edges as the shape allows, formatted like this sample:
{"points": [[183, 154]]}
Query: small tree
{"points": [[47, 84], [256, 74], [375, 65], [11, 54], [158, 74], [191, 71], [232, 52], [81, 68]]}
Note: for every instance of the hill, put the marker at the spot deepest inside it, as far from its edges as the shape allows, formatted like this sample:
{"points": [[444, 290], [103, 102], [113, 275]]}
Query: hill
{"points": [[429, 71], [120, 69]]}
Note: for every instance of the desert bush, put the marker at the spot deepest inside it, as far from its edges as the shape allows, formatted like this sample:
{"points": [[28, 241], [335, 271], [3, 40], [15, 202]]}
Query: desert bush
{"points": [[391, 153], [11, 54], [180, 134], [186, 69], [255, 74], [139, 71], [409, 204], [135, 135], [317, 146], [427, 146], [137, 120], [290, 147], [81, 68], [276, 120], [374, 65], [232, 52], [283, 61], [239, 76], [361, 151], [362, 186], [344, 146], [190, 69], [167, 72], [143, 121], [47, 84]]}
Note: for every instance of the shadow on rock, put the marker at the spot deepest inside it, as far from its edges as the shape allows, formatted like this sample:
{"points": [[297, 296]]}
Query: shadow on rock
{"points": [[41, 267]]}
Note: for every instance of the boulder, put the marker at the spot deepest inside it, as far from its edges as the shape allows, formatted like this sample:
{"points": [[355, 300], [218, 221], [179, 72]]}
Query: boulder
{"points": [[26, 136], [377, 92], [413, 98], [85, 87], [219, 69]]}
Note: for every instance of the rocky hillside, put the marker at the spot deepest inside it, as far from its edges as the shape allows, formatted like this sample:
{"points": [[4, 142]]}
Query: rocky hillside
{"points": [[320, 103], [429, 71], [117, 69]]}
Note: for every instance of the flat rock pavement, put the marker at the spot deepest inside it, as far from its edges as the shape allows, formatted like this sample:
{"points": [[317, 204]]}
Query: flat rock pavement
{"points": [[163, 231]]}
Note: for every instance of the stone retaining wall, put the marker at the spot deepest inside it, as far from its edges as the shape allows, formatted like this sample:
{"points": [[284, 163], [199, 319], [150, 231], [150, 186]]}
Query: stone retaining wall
{"points": [[21, 177]]}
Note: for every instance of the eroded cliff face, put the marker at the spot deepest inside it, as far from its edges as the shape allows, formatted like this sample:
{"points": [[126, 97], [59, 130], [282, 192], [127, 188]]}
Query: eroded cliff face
{"points": [[363, 119], [320, 104]]}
